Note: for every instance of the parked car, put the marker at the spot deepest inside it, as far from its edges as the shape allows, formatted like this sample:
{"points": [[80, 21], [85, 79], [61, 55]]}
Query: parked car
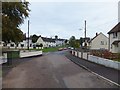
{"points": [[60, 49], [65, 48]]}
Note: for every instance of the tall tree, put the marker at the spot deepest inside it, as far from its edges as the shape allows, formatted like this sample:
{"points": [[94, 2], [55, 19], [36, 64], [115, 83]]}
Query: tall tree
{"points": [[13, 15], [72, 41], [34, 38]]}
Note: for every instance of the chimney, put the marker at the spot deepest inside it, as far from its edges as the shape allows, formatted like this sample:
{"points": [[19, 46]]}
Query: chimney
{"points": [[96, 34], [56, 37]]}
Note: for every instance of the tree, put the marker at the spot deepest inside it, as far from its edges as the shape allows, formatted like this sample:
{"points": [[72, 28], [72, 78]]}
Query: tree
{"points": [[34, 38], [72, 41], [13, 15]]}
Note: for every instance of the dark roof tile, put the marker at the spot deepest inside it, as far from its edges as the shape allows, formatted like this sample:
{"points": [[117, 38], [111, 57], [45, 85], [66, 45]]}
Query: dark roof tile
{"points": [[115, 29]]}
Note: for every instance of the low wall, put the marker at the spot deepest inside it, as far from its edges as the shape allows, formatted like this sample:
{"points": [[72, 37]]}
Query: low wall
{"points": [[76, 53], [85, 56], [98, 60], [79, 54], [30, 54], [72, 52], [3, 58], [105, 62]]}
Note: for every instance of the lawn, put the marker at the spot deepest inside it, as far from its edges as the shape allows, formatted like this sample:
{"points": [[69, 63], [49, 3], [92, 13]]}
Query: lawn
{"points": [[50, 49]]}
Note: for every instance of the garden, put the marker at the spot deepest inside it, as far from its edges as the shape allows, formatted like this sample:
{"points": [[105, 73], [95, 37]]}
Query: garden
{"points": [[106, 54]]}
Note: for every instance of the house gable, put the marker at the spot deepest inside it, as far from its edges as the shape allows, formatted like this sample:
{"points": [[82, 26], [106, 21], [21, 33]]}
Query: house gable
{"points": [[115, 29], [98, 42]]}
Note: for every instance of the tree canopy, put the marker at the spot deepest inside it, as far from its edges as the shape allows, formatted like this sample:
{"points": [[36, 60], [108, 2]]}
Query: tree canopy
{"points": [[73, 42], [34, 38], [13, 15]]}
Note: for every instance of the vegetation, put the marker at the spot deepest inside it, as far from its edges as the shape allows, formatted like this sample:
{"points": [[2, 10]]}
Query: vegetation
{"points": [[34, 38], [73, 42], [49, 49], [13, 15]]}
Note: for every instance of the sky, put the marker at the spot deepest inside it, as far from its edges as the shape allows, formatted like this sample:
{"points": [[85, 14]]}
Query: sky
{"points": [[66, 18]]}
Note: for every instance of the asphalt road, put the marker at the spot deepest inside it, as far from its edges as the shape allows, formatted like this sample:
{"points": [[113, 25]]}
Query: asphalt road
{"points": [[109, 73], [52, 70]]}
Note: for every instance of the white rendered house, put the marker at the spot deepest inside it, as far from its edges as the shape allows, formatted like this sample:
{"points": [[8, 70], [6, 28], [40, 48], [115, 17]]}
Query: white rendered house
{"points": [[100, 41], [114, 39]]}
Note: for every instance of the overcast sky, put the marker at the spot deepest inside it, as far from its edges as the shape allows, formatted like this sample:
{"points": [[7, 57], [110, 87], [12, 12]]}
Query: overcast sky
{"points": [[66, 18]]}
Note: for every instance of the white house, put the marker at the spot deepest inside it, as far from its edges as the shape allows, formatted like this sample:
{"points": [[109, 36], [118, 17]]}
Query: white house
{"points": [[23, 44], [114, 39], [50, 42], [100, 41], [47, 42], [58, 41]]}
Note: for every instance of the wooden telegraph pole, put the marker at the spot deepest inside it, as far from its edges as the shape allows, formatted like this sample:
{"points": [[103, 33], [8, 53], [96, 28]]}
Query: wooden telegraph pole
{"points": [[28, 34], [85, 36]]}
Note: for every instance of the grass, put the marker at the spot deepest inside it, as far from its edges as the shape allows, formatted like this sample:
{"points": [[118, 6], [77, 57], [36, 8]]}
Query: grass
{"points": [[117, 59], [50, 49]]}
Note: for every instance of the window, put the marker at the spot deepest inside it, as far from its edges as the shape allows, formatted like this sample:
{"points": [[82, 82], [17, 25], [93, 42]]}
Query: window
{"points": [[30, 45], [12, 45], [17, 45], [102, 42], [22, 45], [114, 35]]}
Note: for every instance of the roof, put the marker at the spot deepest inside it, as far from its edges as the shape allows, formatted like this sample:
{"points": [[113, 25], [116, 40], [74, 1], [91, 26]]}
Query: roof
{"points": [[59, 39], [96, 36], [116, 42], [115, 29], [47, 39]]}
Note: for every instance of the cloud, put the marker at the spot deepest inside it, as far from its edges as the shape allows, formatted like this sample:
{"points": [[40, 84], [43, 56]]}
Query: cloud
{"points": [[65, 18]]}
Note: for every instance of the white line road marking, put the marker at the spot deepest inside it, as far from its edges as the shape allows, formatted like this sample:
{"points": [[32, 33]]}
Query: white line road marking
{"points": [[98, 74]]}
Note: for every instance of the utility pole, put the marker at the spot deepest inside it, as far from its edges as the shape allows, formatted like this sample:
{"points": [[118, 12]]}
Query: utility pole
{"points": [[85, 29], [28, 34], [85, 36]]}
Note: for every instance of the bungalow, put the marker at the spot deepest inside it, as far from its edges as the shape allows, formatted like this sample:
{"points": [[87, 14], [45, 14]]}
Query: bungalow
{"points": [[47, 42], [58, 41], [114, 39], [50, 42], [23, 44], [100, 41]]}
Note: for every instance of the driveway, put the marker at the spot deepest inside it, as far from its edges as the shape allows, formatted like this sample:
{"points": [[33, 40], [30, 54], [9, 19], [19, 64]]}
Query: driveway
{"points": [[52, 70]]}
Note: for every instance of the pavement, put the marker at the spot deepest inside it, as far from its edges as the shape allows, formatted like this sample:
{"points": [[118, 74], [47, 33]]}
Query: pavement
{"points": [[52, 70], [109, 73]]}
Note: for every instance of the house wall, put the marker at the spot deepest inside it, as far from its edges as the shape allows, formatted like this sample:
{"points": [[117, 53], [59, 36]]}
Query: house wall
{"points": [[96, 43], [114, 48], [39, 41], [59, 43], [45, 44]]}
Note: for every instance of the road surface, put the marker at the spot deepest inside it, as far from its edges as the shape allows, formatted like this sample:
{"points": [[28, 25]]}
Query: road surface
{"points": [[52, 70], [106, 72]]}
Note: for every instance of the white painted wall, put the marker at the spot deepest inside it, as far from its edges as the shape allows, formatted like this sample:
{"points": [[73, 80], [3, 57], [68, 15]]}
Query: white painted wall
{"points": [[3, 58], [29, 54], [45, 44], [114, 48], [105, 62], [39, 41], [59, 43], [79, 54], [98, 60], [96, 43], [85, 56], [76, 53]]}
